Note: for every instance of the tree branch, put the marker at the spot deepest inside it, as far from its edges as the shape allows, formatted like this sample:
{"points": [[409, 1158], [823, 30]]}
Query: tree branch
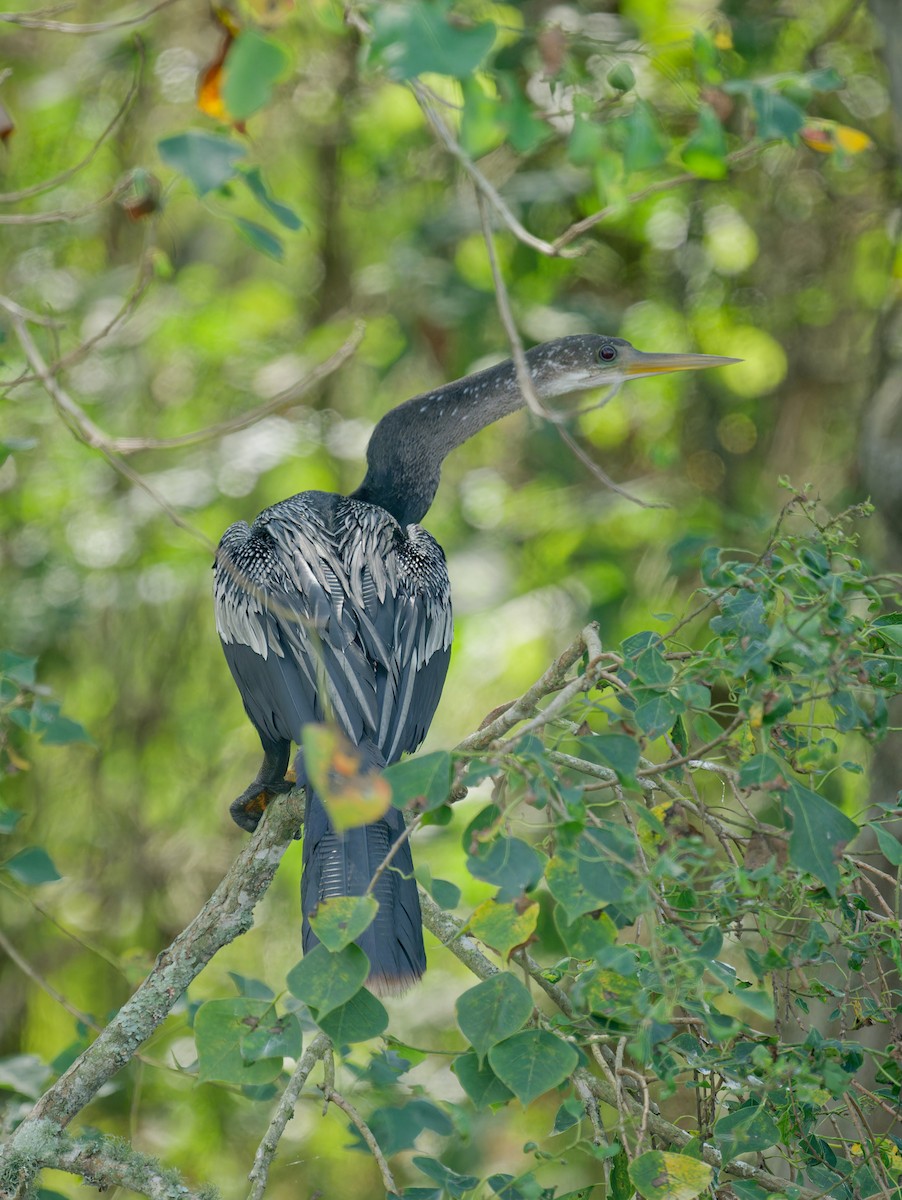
{"points": [[226, 915], [266, 1151]]}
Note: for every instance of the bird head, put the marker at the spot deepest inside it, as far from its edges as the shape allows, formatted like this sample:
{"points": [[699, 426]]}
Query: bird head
{"points": [[590, 360]]}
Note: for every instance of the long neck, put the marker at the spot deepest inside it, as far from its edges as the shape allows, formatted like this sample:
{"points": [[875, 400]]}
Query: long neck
{"points": [[408, 446]]}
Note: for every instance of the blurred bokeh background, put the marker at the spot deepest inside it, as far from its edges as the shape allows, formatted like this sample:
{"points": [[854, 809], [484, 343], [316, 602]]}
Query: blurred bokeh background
{"points": [[787, 257]]}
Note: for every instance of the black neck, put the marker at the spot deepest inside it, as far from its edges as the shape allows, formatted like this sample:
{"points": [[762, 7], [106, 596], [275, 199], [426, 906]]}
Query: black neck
{"points": [[408, 446]]}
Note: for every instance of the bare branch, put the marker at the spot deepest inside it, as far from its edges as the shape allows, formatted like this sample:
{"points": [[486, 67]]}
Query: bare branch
{"points": [[663, 185], [226, 915], [42, 19], [366, 1133], [483, 187], [524, 379], [266, 1151], [49, 184], [600, 475], [145, 276], [551, 680], [86, 431], [65, 216], [279, 403]]}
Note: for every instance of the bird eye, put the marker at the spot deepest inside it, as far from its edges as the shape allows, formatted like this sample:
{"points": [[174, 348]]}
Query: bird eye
{"points": [[607, 353]]}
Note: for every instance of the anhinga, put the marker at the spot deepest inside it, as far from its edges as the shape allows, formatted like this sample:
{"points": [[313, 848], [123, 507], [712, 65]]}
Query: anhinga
{"points": [[339, 607]]}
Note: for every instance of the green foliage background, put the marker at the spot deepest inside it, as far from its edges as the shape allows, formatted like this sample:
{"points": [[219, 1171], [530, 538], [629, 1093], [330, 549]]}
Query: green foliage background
{"points": [[343, 207]]}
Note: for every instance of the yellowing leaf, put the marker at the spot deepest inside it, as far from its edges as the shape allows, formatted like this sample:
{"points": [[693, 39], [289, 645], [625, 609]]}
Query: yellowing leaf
{"points": [[658, 1175], [352, 795], [828, 137], [504, 927]]}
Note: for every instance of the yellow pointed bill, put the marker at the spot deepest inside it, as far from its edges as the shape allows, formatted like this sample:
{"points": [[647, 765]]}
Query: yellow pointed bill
{"points": [[641, 363]]}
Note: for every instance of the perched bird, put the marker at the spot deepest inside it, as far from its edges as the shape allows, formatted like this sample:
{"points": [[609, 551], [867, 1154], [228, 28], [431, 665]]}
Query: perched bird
{"points": [[339, 607]]}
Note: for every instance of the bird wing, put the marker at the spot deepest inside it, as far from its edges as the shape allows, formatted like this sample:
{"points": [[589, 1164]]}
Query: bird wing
{"points": [[326, 606]]}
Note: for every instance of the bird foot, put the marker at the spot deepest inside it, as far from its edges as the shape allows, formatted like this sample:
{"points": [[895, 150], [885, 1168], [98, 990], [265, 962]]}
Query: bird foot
{"points": [[250, 806]]}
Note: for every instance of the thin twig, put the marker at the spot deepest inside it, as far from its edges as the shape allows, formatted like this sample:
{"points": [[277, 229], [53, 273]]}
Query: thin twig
{"points": [[483, 187], [602, 476], [89, 433], [663, 185], [67, 215], [48, 185], [502, 299], [27, 969], [131, 301], [285, 399], [403, 837], [367, 1134], [37, 20], [550, 681], [269, 1144]]}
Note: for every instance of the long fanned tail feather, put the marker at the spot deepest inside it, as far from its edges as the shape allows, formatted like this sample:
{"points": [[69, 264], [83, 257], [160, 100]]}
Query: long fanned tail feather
{"points": [[343, 865]]}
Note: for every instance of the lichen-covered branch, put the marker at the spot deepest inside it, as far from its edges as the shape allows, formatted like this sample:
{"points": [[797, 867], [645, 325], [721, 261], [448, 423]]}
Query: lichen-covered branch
{"points": [[226, 915], [101, 1163]]}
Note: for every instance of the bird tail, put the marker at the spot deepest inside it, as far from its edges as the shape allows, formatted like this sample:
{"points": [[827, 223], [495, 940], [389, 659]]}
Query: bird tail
{"points": [[343, 864]]}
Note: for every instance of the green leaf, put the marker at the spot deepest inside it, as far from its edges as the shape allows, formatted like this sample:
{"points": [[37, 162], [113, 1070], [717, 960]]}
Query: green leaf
{"points": [[16, 667], [570, 1113], [532, 1062], [450, 1180], [825, 79], [890, 845], [425, 779], [445, 894], [479, 1081], [660, 1175], [61, 732], [775, 116], [651, 667], [820, 833], [325, 980], [758, 770], [220, 1026], [340, 920], [14, 445], [744, 1131], [283, 214], [411, 39], [261, 238], [607, 993], [357, 1020], [31, 866], [656, 716], [615, 750], [705, 152], [397, 1127], [645, 144], [9, 819], [252, 66], [481, 128], [493, 1010], [205, 160], [603, 857], [585, 936], [563, 878], [273, 1037], [509, 863]]}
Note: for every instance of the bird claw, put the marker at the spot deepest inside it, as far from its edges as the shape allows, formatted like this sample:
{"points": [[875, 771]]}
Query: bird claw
{"points": [[250, 806]]}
